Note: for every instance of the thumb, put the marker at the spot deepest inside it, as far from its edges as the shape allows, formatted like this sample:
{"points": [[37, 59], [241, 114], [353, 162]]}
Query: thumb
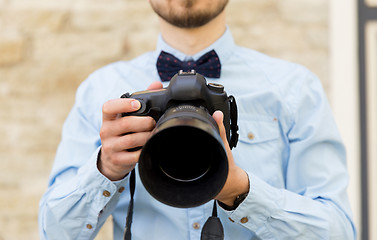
{"points": [[219, 117]]}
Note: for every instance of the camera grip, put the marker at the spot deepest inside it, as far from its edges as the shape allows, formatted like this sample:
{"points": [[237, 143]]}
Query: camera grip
{"points": [[140, 112]]}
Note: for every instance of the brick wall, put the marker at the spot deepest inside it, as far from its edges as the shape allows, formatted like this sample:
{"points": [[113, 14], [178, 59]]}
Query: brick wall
{"points": [[47, 47]]}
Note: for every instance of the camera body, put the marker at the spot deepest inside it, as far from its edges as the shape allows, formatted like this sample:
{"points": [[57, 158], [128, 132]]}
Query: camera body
{"points": [[184, 163], [185, 88]]}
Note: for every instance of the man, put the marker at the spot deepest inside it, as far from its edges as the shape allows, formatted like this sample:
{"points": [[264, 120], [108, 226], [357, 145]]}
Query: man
{"points": [[288, 170]]}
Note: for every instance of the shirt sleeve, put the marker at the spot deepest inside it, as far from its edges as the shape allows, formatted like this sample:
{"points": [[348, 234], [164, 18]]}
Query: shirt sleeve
{"points": [[314, 202], [79, 198]]}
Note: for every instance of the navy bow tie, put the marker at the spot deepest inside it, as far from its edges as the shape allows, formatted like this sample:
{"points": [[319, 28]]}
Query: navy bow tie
{"points": [[207, 65]]}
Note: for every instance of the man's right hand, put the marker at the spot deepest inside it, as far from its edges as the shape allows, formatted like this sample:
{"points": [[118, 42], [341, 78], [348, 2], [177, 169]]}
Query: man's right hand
{"points": [[121, 133]]}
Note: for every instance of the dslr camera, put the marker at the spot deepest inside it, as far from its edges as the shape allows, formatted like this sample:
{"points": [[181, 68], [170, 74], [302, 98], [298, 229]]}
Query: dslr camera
{"points": [[184, 163]]}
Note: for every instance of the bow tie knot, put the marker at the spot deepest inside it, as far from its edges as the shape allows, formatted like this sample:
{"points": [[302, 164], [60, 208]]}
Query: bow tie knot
{"points": [[208, 65]]}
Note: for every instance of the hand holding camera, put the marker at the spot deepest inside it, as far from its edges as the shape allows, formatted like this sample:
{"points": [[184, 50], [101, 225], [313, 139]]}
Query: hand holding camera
{"points": [[120, 133]]}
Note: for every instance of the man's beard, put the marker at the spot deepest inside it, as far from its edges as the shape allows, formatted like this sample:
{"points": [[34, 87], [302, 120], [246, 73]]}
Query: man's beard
{"points": [[189, 18]]}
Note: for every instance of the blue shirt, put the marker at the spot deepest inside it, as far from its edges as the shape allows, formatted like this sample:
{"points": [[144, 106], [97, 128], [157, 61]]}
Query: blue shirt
{"points": [[289, 145]]}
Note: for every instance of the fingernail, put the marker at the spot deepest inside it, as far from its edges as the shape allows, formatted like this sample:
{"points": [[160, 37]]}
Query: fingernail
{"points": [[219, 113], [135, 104]]}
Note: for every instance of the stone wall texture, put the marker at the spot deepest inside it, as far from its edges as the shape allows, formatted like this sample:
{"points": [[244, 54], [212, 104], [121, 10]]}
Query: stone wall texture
{"points": [[47, 47]]}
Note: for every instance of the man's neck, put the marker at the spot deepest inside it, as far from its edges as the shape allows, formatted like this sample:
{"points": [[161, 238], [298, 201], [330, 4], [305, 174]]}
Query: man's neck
{"points": [[192, 40]]}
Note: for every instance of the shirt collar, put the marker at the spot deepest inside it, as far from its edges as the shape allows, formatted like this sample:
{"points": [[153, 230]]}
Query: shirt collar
{"points": [[224, 47]]}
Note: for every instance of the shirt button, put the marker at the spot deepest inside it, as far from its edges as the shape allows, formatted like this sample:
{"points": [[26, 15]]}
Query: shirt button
{"points": [[231, 220], [89, 226], [250, 136], [244, 220], [106, 193], [121, 189], [196, 225]]}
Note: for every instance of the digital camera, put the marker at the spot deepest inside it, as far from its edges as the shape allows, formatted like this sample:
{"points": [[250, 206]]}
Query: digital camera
{"points": [[184, 163]]}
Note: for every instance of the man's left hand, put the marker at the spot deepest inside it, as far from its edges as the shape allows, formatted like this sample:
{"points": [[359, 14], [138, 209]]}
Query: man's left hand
{"points": [[237, 182]]}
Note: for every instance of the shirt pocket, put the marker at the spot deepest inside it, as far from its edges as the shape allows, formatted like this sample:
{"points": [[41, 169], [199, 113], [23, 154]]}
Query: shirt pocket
{"points": [[258, 129], [260, 148]]}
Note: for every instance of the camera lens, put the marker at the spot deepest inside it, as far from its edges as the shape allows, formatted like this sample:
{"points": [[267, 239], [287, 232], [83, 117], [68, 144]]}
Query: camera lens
{"points": [[184, 163]]}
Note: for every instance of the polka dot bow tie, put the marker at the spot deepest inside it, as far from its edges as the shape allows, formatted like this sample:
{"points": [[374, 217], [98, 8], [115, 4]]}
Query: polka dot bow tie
{"points": [[208, 65]]}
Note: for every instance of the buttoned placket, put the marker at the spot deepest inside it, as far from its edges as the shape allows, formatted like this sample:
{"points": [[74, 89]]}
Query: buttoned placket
{"points": [[196, 219]]}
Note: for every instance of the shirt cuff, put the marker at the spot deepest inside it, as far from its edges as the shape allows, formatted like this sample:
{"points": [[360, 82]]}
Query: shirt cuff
{"points": [[93, 179], [254, 212]]}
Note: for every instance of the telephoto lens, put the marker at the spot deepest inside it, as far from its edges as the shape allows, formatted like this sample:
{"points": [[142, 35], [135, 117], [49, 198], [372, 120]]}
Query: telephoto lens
{"points": [[184, 163]]}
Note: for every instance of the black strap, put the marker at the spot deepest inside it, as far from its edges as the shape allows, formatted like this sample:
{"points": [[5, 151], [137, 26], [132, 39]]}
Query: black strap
{"points": [[214, 209], [127, 233], [233, 122], [213, 229]]}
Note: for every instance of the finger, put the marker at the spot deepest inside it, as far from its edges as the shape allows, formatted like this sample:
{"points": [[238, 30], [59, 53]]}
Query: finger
{"points": [[127, 124], [130, 141], [126, 159], [155, 85], [119, 165], [112, 108]]}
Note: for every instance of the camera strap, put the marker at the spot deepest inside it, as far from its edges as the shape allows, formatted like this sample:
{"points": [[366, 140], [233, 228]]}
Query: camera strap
{"points": [[212, 229], [127, 233], [233, 122]]}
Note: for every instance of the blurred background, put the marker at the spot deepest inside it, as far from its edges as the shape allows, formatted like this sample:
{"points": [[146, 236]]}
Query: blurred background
{"points": [[48, 47]]}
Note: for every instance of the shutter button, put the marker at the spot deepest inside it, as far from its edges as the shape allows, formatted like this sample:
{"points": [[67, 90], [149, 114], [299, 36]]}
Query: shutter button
{"points": [[216, 87]]}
